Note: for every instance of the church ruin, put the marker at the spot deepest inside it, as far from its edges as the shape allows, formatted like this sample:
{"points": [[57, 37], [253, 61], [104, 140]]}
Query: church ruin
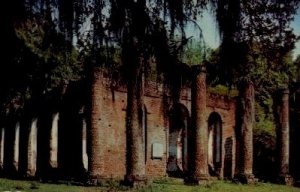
{"points": [[197, 138]]}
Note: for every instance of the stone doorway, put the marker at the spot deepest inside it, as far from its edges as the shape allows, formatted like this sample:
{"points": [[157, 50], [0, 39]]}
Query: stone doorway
{"points": [[215, 144], [177, 164]]}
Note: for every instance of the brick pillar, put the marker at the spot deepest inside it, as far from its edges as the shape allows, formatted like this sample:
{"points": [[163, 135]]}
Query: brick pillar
{"points": [[199, 172], [136, 169], [247, 114], [32, 149], [16, 146], [95, 135], [283, 139], [2, 147], [54, 140]]}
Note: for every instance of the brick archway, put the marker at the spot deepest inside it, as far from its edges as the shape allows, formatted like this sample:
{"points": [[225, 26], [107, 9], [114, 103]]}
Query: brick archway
{"points": [[215, 144], [177, 164]]}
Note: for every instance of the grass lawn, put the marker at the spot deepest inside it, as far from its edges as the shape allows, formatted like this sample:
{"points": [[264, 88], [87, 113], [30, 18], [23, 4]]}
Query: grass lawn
{"points": [[172, 185]]}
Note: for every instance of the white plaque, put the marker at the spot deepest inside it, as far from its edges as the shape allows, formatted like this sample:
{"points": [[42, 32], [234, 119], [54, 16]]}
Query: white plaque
{"points": [[157, 151]]}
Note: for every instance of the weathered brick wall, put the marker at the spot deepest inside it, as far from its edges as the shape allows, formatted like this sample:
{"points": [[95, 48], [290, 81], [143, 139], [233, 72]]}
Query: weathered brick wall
{"points": [[157, 128], [114, 108], [113, 131], [156, 133]]}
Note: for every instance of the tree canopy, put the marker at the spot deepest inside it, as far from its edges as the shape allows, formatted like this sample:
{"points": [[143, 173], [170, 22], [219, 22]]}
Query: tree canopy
{"points": [[51, 42]]}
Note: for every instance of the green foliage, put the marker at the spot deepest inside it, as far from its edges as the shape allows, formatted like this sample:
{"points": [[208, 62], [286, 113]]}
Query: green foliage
{"points": [[194, 53], [43, 61], [223, 90], [264, 140], [268, 75], [259, 32], [256, 43], [57, 61], [264, 119]]}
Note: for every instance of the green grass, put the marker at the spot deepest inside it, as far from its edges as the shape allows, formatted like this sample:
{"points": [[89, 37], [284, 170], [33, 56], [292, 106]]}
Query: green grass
{"points": [[16, 185], [218, 186], [166, 185]]}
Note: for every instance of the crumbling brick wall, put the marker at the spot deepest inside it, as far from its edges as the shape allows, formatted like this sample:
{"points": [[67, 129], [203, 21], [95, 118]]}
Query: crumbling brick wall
{"points": [[157, 127], [158, 104]]}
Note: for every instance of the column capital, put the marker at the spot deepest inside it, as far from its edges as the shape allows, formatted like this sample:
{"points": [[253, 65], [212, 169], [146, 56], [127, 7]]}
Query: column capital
{"points": [[198, 69], [285, 91], [246, 84]]}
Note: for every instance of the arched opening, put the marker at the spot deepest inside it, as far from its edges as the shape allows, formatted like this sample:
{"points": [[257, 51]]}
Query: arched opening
{"points": [[214, 144], [178, 142]]}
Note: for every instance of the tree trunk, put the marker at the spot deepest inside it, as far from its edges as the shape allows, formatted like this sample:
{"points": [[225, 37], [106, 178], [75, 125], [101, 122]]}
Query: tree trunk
{"points": [[135, 134]]}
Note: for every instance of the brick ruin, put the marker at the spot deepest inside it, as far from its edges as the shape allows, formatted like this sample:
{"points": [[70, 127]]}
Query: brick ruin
{"points": [[196, 138]]}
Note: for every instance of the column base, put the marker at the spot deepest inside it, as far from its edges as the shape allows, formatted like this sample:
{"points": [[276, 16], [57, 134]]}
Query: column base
{"points": [[246, 178], [30, 173], [53, 164], [94, 180], [198, 180], [136, 181], [285, 179]]}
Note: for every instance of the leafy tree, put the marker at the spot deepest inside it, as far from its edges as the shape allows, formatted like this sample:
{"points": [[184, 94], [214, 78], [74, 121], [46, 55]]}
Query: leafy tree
{"points": [[195, 53], [262, 26]]}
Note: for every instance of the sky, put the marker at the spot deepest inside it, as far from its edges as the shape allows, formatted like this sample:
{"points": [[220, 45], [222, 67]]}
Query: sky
{"points": [[209, 30], [296, 26], [212, 38]]}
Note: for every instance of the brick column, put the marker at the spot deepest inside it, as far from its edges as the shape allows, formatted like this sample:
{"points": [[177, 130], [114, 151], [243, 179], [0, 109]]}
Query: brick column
{"points": [[247, 114], [136, 169], [2, 147], [199, 172], [95, 151], [54, 141], [283, 139], [32, 149]]}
